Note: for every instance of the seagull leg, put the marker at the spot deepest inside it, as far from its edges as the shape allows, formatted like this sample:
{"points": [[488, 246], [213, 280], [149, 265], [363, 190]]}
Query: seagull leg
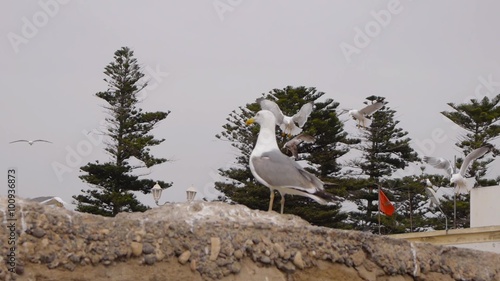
{"points": [[271, 199]]}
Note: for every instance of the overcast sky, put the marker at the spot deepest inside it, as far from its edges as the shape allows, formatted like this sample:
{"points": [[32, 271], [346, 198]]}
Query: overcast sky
{"points": [[206, 58]]}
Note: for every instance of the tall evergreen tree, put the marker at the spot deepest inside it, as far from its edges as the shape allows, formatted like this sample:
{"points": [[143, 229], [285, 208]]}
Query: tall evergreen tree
{"points": [[386, 149], [128, 130], [322, 155], [480, 121]]}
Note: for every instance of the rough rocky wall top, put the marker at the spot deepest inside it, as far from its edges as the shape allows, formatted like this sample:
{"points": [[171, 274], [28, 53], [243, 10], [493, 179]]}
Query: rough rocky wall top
{"points": [[214, 239]]}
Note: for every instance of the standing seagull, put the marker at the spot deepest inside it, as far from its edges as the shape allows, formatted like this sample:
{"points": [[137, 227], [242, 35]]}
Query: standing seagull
{"points": [[292, 145], [290, 125], [279, 172], [361, 115], [30, 142], [462, 185]]}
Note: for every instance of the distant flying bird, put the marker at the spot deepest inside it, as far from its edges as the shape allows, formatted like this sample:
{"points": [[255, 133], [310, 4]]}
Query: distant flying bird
{"points": [[30, 142], [462, 185], [361, 115], [290, 125], [292, 145]]}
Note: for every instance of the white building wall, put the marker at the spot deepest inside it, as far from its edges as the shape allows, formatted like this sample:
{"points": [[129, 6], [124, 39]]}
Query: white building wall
{"points": [[485, 206]]}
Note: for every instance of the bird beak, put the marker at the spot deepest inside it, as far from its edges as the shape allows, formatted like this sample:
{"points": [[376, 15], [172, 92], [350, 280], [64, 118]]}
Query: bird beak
{"points": [[250, 121]]}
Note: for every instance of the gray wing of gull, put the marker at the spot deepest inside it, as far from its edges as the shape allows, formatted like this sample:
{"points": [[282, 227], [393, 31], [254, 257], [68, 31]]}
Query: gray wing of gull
{"points": [[304, 112], [292, 145], [473, 155], [19, 141], [439, 163], [367, 110], [42, 141], [273, 107], [279, 170]]}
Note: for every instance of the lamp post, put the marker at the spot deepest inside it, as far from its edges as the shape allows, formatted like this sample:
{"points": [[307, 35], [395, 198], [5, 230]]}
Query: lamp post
{"points": [[156, 191], [191, 193]]}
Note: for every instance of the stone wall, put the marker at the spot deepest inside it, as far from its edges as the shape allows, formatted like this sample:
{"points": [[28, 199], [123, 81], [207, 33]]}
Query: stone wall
{"points": [[217, 241]]}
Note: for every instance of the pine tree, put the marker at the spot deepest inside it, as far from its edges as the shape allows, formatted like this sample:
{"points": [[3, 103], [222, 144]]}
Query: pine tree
{"points": [[242, 188], [386, 149], [480, 121], [128, 129]]}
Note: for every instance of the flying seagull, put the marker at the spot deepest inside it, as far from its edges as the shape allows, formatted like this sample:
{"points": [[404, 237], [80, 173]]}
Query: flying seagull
{"points": [[292, 145], [462, 185], [31, 142], [290, 125], [431, 193], [434, 200], [279, 172], [361, 115]]}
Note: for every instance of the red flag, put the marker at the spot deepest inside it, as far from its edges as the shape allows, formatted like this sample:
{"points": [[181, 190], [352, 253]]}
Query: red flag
{"points": [[385, 205]]}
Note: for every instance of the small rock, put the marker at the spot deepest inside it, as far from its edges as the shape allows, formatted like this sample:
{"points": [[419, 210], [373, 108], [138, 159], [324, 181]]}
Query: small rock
{"points": [[150, 259], [147, 248], [235, 267], [265, 260], [38, 232], [277, 247], [238, 254], [136, 248], [69, 266], [192, 265], [286, 267], [184, 257], [160, 255], [19, 269], [297, 260], [215, 248]]}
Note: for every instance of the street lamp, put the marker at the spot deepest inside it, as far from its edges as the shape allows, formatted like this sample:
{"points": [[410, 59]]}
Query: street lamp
{"points": [[191, 193], [156, 190]]}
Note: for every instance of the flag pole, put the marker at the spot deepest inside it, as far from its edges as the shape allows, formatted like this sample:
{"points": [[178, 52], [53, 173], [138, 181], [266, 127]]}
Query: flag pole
{"points": [[379, 225]]}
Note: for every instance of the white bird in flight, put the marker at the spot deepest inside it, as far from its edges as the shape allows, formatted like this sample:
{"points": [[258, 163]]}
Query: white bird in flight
{"points": [[31, 142], [431, 193], [290, 125], [462, 185], [361, 115]]}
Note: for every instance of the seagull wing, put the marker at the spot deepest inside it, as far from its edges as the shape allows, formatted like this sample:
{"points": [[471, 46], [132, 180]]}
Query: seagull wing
{"points": [[275, 169], [304, 112], [273, 107], [432, 196], [473, 155], [305, 138], [439, 163], [292, 145], [19, 141], [42, 141], [367, 110]]}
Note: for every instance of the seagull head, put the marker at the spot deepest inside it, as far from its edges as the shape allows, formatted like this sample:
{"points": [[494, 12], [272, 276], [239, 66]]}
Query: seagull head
{"points": [[262, 117]]}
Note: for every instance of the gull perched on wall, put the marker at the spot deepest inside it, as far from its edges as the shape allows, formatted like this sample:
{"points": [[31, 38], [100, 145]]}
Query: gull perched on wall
{"points": [[31, 142], [279, 172], [462, 185], [290, 125]]}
